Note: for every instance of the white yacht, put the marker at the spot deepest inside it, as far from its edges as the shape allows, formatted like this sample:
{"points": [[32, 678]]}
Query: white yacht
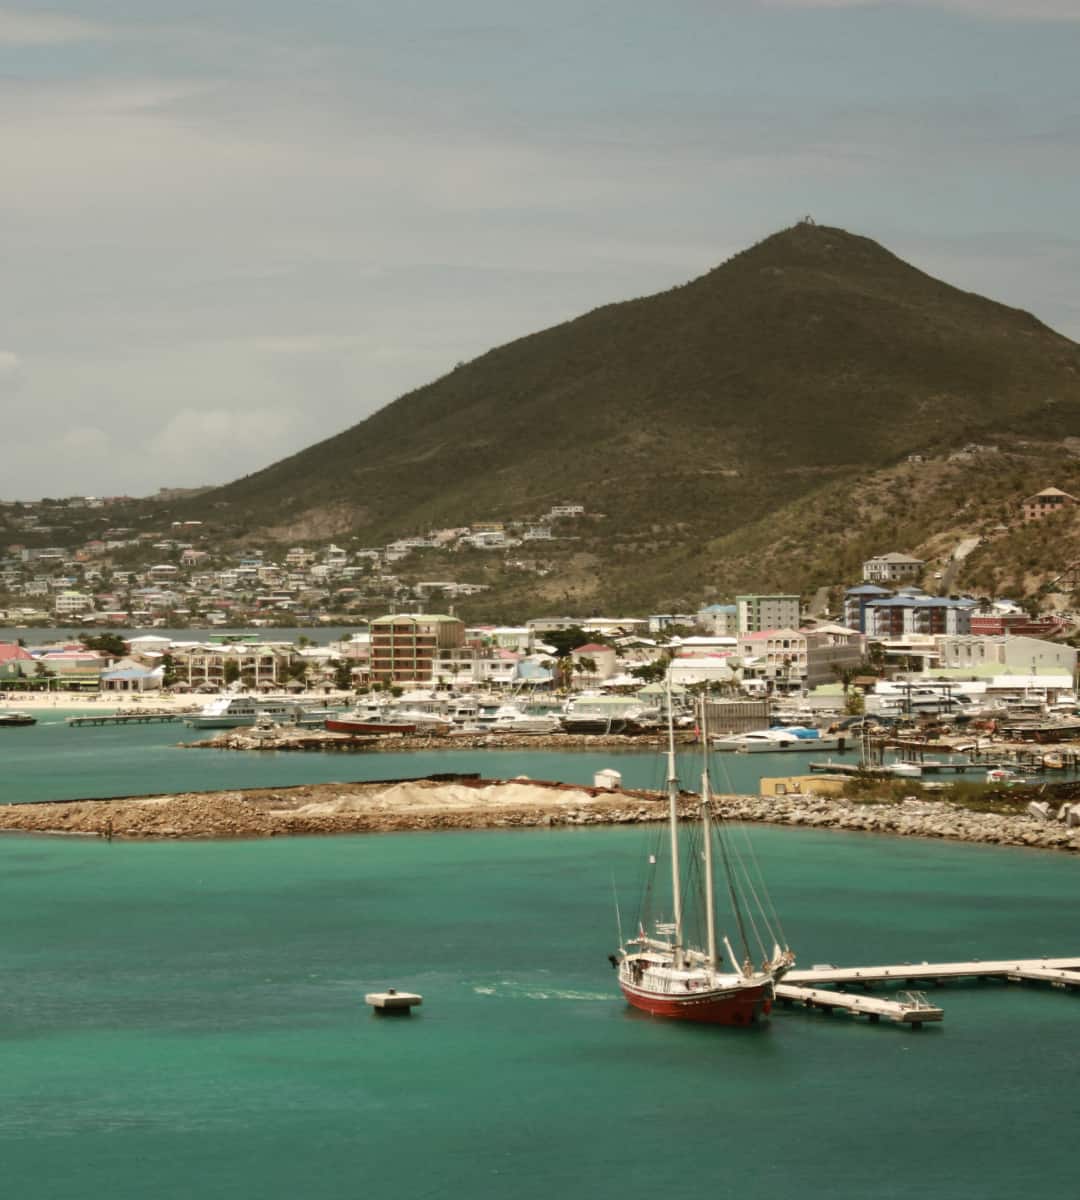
{"points": [[772, 741], [236, 712], [509, 719]]}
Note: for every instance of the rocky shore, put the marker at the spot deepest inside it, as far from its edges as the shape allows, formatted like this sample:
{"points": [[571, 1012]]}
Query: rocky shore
{"points": [[466, 802], [284, 738]]}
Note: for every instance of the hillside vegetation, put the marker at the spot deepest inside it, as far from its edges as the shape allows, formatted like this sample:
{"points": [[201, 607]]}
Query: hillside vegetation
{"points": [[729, 430]]}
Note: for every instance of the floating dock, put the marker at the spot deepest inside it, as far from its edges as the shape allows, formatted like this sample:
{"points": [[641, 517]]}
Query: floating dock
{"points": [[1063, 970], [393, 1002], [910, 1009], [125, 719], [815, 988], [927, 767]]}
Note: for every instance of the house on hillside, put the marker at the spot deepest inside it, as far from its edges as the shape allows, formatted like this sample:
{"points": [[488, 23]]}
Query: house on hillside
{"points": [[1042, 504], [892, 568]]}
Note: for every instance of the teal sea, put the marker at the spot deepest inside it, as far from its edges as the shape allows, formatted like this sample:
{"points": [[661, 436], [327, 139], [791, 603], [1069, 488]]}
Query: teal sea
{"points": [[186, 1019]]}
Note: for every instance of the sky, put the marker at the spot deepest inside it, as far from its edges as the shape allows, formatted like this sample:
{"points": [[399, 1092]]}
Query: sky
{"points": [[232, 228]]}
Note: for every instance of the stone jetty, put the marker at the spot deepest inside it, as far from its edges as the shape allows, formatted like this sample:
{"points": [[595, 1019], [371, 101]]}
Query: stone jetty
{"points": [[280, 737], [468, 802]]}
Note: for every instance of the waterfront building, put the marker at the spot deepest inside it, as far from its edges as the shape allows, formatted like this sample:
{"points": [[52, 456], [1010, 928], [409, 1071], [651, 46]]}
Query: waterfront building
{"points": [[1025, 655], [718, 619], [911, 611], [256, 664], [757, 613], [408, 648], [796, 659]]}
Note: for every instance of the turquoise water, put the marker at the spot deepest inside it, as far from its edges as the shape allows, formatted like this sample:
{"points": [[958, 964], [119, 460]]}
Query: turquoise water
{"points": [[183, 1020], [51, 761]]}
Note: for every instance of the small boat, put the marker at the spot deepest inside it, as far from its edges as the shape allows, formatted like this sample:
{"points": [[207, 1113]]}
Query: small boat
{"points": [[1001, 775], [661, 971], [903, 770], [365, 725], [13, 717]]}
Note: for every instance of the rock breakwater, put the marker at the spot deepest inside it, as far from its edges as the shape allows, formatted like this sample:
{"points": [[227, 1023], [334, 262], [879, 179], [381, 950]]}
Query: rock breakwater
{"points": [[472, 803]]}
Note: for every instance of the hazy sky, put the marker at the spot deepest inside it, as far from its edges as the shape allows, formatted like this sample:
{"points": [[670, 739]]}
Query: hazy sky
{"points": [[233, 227]]}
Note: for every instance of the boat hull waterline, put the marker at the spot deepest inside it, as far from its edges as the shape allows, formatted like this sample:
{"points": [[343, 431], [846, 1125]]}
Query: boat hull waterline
{"points": [[727, 1006]]}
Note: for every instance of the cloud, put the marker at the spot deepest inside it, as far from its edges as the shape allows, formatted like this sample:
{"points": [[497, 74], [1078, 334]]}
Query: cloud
{"points": [[10, 369], [83, 441], [218, 438], [19, 27], [1003, 10]]}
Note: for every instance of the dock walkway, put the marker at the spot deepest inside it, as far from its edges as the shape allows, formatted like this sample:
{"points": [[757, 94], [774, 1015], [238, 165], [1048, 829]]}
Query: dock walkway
{"points": [[125, 719], [1065, 971], [911, 1009], [815, 988]]}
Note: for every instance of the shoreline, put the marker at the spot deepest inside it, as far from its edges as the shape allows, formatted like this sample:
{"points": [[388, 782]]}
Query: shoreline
{"points": [[470, 802]]}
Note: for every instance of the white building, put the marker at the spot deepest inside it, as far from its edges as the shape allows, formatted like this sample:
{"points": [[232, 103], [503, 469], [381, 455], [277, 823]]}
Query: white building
{"points": [[70, 603], [892, 568]]}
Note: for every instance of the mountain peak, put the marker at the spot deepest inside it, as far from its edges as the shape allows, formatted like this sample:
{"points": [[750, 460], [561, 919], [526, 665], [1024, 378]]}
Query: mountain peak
{"points": [[812, 355]]}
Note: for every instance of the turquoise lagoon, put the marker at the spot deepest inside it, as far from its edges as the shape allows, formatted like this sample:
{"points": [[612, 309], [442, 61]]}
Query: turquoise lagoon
{"points": [[186, 1019]]}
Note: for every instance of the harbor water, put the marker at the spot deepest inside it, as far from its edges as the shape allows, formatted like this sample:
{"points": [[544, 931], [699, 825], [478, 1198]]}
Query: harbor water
{"points": [[186, 1019], [52, 761]]}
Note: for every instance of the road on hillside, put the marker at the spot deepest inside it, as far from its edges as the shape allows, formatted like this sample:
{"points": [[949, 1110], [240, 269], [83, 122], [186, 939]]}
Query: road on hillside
{"points": [[960, 552], [820, 602]]}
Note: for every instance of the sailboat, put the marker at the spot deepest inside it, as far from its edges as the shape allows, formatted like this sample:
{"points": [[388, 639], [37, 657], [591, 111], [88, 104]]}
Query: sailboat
{"points": [[660, 972]]}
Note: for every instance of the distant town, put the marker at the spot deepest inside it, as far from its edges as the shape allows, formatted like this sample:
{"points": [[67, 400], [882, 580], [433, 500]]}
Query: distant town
{"points": [[405, 635]]}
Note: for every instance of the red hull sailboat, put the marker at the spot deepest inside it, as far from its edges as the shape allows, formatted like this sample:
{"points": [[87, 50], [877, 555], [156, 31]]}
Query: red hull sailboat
{"points": [[661, 973]]}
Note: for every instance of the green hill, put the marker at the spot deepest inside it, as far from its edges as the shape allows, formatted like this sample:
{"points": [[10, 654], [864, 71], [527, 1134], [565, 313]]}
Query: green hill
{"points": [[686, 418]]}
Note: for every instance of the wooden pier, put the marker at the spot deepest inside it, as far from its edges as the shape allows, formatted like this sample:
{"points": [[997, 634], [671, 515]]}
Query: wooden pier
{"points": [[125, 719], [815, 988]]}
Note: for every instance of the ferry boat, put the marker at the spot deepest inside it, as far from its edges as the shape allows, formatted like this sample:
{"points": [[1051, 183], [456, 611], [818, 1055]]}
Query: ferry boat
{"points": [[237, 712], [662, 972]]}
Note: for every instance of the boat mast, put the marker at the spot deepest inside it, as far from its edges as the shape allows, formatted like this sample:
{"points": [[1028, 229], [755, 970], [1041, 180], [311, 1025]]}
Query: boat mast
{"points": [[673, 817], [706, 837]]}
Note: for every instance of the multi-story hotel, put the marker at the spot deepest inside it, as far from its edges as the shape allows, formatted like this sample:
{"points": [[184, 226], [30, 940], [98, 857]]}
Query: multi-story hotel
{"points": [[407, 648]]}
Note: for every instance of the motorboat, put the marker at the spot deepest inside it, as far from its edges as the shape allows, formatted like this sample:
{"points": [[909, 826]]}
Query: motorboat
{"points": [[773, 741], [509, 719], [13, 717]]}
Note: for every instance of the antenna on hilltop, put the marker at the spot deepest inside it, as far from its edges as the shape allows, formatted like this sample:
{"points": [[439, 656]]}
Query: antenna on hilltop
{"points": [[808, 220]]}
